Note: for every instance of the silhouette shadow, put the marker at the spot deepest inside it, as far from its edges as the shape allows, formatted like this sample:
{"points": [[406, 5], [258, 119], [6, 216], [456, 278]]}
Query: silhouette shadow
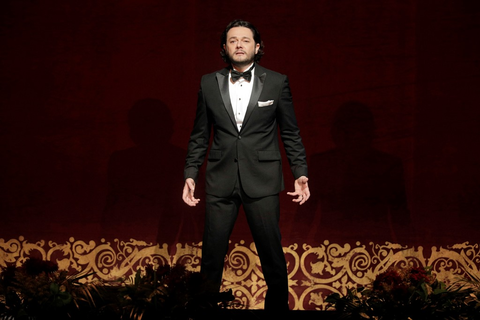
{"points": [[145, 182], [358, 192]]}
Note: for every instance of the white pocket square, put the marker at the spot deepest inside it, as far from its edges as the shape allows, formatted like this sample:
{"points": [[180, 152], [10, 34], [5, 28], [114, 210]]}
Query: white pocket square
{"points": [[265, 103]]}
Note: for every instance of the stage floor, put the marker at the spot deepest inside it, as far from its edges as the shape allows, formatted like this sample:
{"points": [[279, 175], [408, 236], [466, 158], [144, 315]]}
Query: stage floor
{"points": [[263, 315]]}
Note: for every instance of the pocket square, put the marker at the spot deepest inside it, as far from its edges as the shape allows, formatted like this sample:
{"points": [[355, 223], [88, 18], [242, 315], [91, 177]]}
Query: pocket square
{"points": [[265, 103]]}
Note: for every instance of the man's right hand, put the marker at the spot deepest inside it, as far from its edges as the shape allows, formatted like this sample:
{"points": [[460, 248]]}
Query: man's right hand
{"points": [[188, 193]]}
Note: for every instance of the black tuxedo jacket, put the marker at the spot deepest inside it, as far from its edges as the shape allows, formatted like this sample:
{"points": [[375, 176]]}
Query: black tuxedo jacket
{"points": [[252, 154]]}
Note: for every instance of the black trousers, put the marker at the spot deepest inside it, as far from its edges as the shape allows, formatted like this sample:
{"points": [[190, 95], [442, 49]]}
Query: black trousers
{"points": [[263, 216]]}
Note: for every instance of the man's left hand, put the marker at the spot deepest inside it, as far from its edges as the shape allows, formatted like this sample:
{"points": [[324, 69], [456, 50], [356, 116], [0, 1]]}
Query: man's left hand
{"points": [[302, 193]]}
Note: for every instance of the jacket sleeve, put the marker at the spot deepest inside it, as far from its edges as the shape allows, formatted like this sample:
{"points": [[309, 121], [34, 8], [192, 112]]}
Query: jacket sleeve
{"points": [[290, 133], [199, 140]]}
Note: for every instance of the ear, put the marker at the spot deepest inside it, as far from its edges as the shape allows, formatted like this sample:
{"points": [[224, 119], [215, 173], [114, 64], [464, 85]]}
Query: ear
{"points": [[257, 47]]}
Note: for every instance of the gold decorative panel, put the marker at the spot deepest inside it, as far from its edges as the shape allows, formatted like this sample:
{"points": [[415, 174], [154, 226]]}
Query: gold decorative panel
{"points": [[314, 271]]}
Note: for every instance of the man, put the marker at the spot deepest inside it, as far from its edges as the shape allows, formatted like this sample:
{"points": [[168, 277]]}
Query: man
{"points": [[245, 104]]}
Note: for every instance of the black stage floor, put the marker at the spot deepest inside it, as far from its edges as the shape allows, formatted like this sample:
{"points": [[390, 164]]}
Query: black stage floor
{"points": [[263, 315]]}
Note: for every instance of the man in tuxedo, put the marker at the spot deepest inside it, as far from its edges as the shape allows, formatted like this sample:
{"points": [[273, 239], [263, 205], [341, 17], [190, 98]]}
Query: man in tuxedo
{"points": [[245, 104]]}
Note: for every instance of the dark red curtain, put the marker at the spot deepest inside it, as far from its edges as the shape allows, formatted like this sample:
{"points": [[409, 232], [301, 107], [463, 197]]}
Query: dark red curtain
{"points": [[98, 99]]}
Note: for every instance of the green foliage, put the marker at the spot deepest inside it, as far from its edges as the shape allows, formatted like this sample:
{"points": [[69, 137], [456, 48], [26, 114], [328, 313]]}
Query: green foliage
{"points": [[411, 293], [167, 292], [37, 290]]}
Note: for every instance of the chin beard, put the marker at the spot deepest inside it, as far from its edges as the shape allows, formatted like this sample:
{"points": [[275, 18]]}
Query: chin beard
{"points": [[243, 63]]}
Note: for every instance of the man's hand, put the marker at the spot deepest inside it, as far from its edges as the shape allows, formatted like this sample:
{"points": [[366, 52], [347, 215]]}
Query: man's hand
{"points": [[188, 193], [301, 190]]}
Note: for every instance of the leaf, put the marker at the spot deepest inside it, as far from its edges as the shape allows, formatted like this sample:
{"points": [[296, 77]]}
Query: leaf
{"points": [[333, 297], [54, 288], [138, 277], [441, 288]]}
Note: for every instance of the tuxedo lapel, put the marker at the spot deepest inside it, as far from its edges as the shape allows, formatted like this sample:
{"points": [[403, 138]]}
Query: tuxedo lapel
{"points": [[256, 91], [222, 80]]}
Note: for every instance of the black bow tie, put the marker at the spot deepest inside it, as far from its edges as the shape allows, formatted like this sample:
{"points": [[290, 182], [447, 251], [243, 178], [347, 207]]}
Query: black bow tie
{"points": [[247, 75]]}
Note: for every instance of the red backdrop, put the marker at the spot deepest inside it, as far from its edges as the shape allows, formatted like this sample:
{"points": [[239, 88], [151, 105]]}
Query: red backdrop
{"points": [[98, 99]]}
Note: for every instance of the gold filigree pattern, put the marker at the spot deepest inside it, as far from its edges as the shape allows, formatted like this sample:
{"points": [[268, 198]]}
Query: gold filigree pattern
{"points": [[314, 271]]}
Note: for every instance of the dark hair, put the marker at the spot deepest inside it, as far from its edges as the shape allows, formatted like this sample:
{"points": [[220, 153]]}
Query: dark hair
{"points": [[256, 38]]}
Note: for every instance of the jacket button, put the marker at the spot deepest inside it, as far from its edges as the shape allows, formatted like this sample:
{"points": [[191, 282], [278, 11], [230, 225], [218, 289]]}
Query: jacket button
{"points": [[239, 137]]}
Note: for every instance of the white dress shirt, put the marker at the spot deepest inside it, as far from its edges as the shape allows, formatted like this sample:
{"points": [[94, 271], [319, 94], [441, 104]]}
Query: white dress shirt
{"points": [[240, 93]]}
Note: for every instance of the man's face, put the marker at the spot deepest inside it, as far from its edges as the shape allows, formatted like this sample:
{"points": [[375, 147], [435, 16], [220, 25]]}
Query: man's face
{"points": [[240, 47]]}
